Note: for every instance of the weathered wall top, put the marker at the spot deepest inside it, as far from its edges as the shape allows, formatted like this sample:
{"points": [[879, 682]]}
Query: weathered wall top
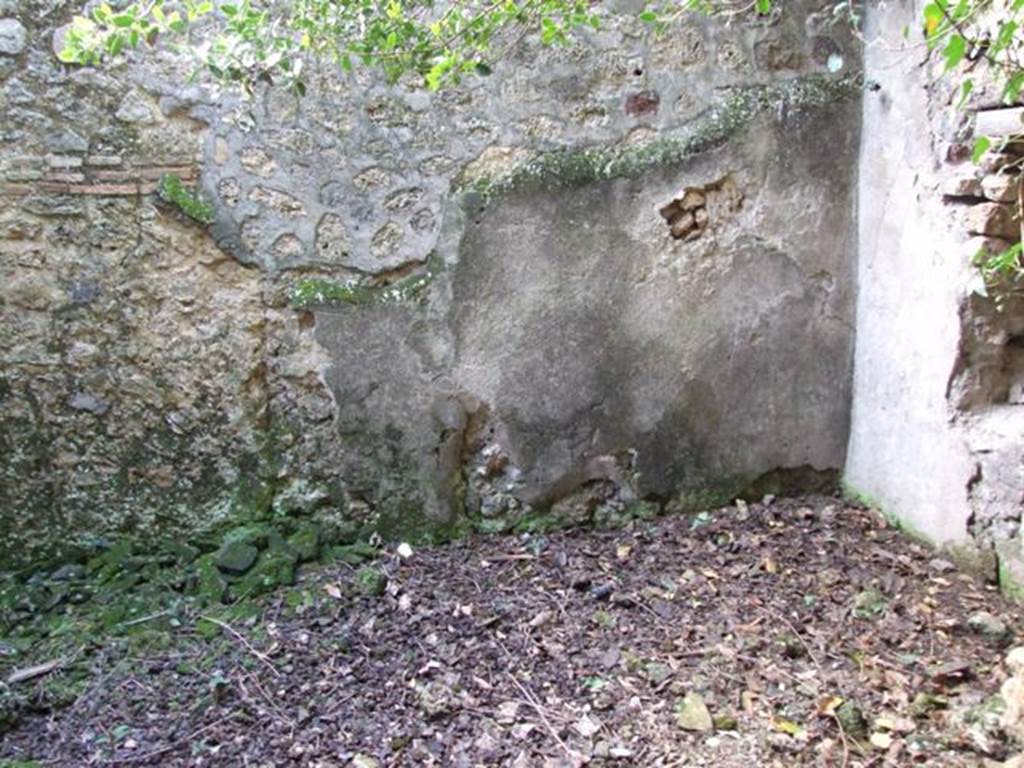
{"points": [[356, 175]]}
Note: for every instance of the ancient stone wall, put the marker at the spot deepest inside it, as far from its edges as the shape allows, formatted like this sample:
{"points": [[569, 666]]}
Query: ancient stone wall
{"points": [[608, 276]]}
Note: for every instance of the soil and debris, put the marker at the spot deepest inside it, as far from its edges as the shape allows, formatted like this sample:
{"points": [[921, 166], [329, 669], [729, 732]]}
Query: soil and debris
{"points": [[796, 633]]}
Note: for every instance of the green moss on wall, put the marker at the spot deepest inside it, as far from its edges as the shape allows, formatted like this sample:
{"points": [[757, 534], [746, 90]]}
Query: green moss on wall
{"points": [[315, 291], [856, 496], [174, 192], [310, 293], [576, 167], [1008, 585]]}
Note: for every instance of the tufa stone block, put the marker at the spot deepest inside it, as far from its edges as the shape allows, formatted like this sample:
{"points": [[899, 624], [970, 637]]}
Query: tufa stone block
{"points": [[64, 161], [103, 161], [13, 37], [993, 220], [682, 225], [1000, 187], [999, 122], [963, 185]]}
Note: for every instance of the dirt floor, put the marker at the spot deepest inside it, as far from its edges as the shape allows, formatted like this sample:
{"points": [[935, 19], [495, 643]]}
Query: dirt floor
{"points": [[796, 634]]}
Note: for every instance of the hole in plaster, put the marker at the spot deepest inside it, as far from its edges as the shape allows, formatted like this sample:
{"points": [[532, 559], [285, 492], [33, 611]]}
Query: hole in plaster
{"points": [[690, 213], [686, 214]]}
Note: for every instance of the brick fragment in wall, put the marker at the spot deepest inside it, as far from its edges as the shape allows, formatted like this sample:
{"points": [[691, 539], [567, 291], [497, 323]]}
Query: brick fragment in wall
{"points": [[140, 188], [994, 220], [257, 161], [1000, 187], [643, 103], [24, 162], [70, 178], [107, 175], [185, 171], [682, 224]]}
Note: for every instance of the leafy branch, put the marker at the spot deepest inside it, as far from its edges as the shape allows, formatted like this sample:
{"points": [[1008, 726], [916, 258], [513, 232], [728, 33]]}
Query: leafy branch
{"points": [[255, 41]]}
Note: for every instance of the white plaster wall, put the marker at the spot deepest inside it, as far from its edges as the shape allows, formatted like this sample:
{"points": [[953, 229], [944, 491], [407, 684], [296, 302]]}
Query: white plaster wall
{"points": [[905, 453]]}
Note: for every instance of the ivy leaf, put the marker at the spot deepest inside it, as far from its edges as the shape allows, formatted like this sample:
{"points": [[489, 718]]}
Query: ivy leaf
{"points": [[954, 52], [115, 45], [1012, 88], [933, 18], [1004, 37], [981, 146]]}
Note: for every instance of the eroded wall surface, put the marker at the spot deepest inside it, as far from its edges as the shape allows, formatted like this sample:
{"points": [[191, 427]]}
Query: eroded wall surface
{"points": [[607, 274]]}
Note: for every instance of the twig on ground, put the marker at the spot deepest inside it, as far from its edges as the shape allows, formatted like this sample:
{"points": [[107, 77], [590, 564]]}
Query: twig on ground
{"points": [[842, 737], [532, 701], [248, 646], [535, 704], [30, 673], [799, 637]]}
